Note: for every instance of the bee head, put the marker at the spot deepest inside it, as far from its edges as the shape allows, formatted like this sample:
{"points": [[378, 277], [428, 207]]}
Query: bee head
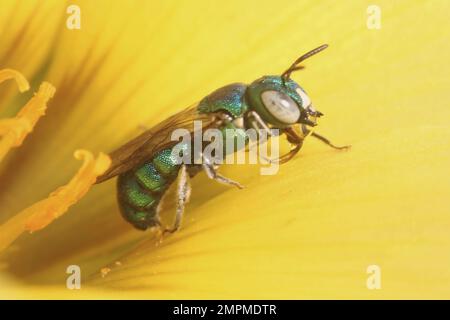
{"points": [[280, 101]]}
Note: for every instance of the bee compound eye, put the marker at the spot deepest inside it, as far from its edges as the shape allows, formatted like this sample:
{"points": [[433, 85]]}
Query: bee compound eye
{"points": [[281, 106]]}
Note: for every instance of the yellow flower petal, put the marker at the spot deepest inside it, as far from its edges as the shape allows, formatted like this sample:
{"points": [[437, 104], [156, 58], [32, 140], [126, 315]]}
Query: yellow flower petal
{"points": [[309, 232], [29, 31], [42, 213]]}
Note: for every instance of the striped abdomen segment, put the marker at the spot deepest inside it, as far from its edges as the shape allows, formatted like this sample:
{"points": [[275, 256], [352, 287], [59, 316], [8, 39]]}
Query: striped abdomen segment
{"points": [[140, 190]]}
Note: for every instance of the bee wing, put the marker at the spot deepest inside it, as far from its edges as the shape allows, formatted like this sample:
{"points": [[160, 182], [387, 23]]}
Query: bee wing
{"points": [[141, 148]]}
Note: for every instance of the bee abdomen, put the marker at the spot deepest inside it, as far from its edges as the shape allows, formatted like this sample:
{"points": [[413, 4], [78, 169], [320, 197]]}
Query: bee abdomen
{"points": [[150, 178], [141, 190]]}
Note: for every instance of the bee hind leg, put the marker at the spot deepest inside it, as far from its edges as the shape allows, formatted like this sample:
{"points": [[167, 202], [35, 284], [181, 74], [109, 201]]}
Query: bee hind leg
{"points": [[183, 195]]}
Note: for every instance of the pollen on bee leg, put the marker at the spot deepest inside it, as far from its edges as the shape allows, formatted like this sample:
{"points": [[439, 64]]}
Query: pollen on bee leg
{"points": [[14, 130], [42, 213]]}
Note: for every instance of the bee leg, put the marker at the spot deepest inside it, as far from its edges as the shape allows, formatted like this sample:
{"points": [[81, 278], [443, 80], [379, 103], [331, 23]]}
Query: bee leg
{"points": [[328, 142], [183, 194], [214, 175], [258, 123]]}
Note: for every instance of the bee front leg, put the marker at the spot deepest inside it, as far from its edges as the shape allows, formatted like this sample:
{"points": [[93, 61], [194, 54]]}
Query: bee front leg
{"points": [[258, 124], [328, 142], [183, 195], [214, 175]]}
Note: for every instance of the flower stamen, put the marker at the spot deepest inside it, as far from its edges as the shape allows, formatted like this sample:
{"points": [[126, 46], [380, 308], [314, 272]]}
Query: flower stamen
{"points": [[22, 82], [14, 130], [42, 213]]}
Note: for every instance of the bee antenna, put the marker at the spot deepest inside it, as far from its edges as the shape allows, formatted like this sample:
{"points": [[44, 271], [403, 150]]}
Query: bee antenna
{"points": [[295, 66]]}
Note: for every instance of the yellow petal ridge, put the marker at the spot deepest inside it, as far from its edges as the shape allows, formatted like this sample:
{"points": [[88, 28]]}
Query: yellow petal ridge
{"points": [[42, 213], [15, 130]]}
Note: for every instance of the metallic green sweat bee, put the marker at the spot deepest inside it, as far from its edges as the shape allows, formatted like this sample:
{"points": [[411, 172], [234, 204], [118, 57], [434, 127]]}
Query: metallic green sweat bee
{"points": [[146, 167]]}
